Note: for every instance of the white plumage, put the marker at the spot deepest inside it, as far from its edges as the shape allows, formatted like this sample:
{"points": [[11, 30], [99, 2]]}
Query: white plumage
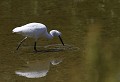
{"points": [[36, 31]]}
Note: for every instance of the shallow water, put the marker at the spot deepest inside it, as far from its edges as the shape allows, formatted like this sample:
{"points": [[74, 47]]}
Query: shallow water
{"points": [[37, 69], [90, 30]]}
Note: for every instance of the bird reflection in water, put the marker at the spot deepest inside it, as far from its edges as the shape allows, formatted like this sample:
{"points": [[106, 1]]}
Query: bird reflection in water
{"points": [[37, 69]]}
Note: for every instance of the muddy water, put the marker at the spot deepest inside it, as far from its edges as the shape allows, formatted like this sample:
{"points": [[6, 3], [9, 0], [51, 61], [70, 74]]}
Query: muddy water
{"points": [[90, 30]]}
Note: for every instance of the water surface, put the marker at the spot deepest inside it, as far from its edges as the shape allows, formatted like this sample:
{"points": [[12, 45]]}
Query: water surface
{"points": [[90, 29]]}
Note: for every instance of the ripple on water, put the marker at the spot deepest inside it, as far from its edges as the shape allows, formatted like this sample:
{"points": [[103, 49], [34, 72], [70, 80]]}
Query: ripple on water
{"points": [[55, 47], [60, 46]]}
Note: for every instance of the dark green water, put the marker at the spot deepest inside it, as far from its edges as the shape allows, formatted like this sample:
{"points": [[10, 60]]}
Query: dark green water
{"points": [[90, 30]]}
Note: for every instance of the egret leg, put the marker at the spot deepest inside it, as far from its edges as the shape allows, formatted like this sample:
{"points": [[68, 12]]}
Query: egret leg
{"points": [[35, 46], [21, 42]]}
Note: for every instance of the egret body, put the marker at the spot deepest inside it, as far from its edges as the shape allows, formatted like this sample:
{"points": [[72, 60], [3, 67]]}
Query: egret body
{"points": [[36, 31]]}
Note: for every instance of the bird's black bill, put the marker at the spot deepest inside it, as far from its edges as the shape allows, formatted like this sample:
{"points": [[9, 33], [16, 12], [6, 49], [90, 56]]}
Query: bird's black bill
{"points": [[61, 39]]}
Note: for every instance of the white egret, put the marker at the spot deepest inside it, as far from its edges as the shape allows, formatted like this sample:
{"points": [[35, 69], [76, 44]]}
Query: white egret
{"points": [[36, 31]]}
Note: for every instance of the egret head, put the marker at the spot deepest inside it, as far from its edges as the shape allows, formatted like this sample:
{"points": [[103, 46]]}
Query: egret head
{"points": [[55, 33], [58, 34]]}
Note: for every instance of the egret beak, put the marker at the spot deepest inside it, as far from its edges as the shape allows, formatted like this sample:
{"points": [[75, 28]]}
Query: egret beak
{"points": [[61, 39]]}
